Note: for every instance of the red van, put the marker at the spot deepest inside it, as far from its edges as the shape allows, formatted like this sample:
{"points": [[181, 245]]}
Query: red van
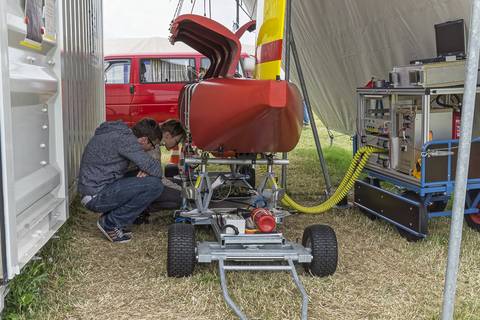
{"points": [[148, 85]]}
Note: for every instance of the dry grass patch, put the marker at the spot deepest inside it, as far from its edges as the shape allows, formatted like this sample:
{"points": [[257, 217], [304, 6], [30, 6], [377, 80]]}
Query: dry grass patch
{"points": [[379, 276]]}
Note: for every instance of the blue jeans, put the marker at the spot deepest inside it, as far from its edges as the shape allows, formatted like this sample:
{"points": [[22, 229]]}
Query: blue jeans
{"points": [[122, 201], [306, 118]]}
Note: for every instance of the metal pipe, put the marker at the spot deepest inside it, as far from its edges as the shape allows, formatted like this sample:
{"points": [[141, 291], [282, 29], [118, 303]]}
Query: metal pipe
{"points": [[286, 40], [235, 161], [300, 287], [226, 296], [303, 85], [257, 268], [237, 21], [288, 30], [468, 108]]}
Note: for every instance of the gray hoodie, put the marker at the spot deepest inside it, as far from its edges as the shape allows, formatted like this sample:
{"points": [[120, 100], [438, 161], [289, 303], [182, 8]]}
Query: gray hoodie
{"points": [[107, 156]]}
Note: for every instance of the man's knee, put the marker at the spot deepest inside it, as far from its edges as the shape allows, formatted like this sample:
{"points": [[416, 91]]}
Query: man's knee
{"points": [[154, 185]]}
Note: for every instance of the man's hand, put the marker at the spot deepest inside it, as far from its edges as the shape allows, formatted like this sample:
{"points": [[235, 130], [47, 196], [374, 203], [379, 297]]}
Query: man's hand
{"points": [[141, 174]]}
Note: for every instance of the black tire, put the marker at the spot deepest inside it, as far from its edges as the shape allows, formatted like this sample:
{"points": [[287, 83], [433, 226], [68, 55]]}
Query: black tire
{"points": [[248, 170], [437, 206], [375, 182], [473, 220], [321, 239], [181, 250]]}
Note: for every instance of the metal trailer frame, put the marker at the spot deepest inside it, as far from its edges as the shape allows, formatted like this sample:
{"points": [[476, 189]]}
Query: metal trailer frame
{"points": [[428, 191], [243, 252]]}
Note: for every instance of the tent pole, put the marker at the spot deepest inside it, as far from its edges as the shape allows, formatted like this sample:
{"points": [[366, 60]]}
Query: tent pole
{"points": [[286, 40], [303, 85], [468, 108], [236, 24]]}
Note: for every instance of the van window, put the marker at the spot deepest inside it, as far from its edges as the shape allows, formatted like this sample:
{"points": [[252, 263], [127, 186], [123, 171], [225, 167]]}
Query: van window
{"points": [[204, 65], [117, 72], [158, 70]]}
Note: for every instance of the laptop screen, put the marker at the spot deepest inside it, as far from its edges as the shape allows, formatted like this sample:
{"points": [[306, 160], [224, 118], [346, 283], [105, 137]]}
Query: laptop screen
{"points": [[450, 38]]}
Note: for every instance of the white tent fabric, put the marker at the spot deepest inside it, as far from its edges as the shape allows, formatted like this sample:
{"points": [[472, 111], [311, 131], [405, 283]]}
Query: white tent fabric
{"points": [[343, 43], [143, 46], [150, 45]]}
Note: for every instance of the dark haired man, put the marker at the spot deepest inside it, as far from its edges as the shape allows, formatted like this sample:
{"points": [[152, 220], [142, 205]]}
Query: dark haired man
{"points": [[105, 161], [171, 198]]}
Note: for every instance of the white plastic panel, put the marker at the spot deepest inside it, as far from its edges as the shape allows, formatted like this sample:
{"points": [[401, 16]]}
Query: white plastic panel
{"points": [[33, 167], [52, 100]]}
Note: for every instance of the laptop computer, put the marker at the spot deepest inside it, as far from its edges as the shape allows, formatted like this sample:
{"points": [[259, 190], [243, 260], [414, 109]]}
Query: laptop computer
{"points": [[450, 41]]}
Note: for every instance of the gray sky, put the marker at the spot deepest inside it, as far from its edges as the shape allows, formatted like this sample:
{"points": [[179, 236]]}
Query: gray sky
{"points": [[151, 18]]}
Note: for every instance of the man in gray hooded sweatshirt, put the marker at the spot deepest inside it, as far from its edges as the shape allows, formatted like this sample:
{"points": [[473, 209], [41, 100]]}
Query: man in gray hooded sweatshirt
{"points": [[101, 181]]}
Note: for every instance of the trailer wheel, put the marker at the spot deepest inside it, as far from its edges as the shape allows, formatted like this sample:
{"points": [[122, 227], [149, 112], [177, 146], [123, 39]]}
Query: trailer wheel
{"points": [[473, 220], [181, 250], [321, 239]]}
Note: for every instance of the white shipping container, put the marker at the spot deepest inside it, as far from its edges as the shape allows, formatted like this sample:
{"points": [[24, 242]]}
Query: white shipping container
{"points": [[51, 101]]}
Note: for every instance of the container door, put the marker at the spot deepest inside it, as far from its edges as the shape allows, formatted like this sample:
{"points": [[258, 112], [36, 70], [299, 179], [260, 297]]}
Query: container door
{"points": [[31, 129]]}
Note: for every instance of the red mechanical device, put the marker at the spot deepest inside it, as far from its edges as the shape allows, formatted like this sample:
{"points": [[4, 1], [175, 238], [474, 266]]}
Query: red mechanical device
{"points": [[224, 113], [264, 219]]}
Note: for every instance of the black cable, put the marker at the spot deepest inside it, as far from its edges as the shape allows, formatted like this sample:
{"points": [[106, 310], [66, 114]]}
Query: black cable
{"points": [[446, 105], [235, 229]]}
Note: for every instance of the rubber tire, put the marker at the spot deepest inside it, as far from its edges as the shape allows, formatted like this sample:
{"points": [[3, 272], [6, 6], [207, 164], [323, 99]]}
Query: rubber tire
{"points": [[321, 239], [375, 183], [181, 256], [251, 172], [473, 220]]}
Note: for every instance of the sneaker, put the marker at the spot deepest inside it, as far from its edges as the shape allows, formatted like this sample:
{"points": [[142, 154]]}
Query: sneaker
{"points": [[127, 231], [115, 235]]}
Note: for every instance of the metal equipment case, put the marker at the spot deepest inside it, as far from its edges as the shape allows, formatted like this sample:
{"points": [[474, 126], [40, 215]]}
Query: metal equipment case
{"points": [[414, 179]]}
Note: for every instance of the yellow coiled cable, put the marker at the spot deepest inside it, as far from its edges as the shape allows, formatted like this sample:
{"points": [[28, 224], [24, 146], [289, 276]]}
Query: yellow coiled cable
{"points": [[355, 169]]}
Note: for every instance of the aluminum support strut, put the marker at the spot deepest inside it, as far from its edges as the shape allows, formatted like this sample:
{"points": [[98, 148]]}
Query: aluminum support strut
{"points": [[303, 85], [468, 108], [286, 40]]}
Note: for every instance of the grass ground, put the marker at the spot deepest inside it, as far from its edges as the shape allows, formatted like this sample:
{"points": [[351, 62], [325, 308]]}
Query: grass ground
{"points": [[379, 276]]}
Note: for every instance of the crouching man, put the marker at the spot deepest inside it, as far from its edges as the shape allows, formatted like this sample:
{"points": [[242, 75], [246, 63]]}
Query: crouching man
{"points": [[101, 181]]}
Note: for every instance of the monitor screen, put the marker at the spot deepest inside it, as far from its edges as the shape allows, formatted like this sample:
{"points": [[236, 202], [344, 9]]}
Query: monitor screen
{"points": [[450, 38]]}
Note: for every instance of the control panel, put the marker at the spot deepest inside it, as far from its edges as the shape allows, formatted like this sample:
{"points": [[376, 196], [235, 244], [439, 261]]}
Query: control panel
{"points": [[395, 120]]}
